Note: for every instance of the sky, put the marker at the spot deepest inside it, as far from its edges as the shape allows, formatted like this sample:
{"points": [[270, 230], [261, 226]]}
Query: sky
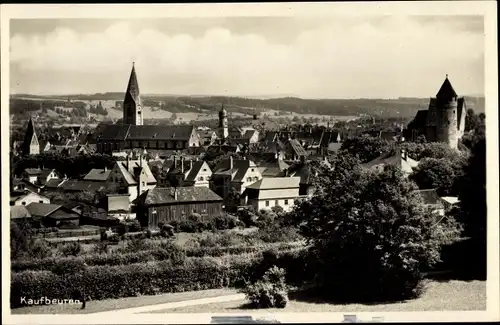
{"points": [[331, 57]]}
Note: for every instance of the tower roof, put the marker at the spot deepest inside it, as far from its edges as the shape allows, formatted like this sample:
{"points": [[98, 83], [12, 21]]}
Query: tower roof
{"points": [[446, 91], [30, 133], [223, 111], [133, 86]]}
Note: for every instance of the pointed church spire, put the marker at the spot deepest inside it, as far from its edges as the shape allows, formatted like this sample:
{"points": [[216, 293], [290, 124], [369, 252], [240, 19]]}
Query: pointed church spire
{"points": [[133, 85], [132, 104], [446, 91], [30, 144]]}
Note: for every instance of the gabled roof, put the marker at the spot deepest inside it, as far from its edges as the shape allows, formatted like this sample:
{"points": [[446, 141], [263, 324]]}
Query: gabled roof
{"points": [[42, 209], [395, 159], [240, 167], [446, 91], [430, 196], [53, 183], [129, 171], [297, 147], [44, 173], [184, 195], [160, 132], [19, 212], [450, 199], [116, 132], [271, 183], [78, 185], [33, 171], [249, 133], [195, 169], [97, 175]]}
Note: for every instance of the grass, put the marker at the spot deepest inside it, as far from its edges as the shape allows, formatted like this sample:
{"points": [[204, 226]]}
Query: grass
{"points": [[439, 296], [122, 303]]}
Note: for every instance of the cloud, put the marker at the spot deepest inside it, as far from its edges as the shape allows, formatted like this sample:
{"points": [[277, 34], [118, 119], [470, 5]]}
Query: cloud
{"points": [[395, 56]]}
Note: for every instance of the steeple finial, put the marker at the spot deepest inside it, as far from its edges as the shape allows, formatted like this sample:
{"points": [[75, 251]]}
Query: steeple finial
{"points": [[446, 76]]}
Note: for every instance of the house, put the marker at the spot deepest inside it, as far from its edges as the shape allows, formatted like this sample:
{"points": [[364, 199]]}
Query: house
{"points": [[450, 202], [21, 198], [207, 137], [31, 175], [76, 185], [47, 175], [432, 200], [294, 150], [118, 206], [98, 175], [251, 135], [133, 177], [273, 191], [234, 174], [305, 172], [270, 165], [53, 215], [21, 185], [329, 142], [399, 159], [19, 213], [187, 172], [161, 205]]}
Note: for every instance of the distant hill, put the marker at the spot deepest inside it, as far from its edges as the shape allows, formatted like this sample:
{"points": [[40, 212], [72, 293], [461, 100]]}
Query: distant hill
{"points": [[400, 107]]}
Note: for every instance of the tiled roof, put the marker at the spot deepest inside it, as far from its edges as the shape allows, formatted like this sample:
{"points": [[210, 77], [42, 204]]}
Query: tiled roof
{"points": [[42, 209], [430, 197], [114, 132], [276, 183], [420, 119], [240, 167], [78, 185], [53, 183], [33, 171], [396, 159], [97, 175], [195, 169], [249, 133], [451, 199], [44, 173], [297, 147], [184, 195], [19, 212], [160, 132]]}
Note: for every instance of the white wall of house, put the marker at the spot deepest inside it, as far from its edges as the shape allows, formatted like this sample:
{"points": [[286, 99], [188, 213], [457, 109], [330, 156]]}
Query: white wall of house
{"points": [[267, 204], [203, 177], [252, 175], [32, 198]]}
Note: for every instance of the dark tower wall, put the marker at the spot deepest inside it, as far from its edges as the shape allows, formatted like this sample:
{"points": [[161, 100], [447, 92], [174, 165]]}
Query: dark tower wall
{"points": [[132, 104]]}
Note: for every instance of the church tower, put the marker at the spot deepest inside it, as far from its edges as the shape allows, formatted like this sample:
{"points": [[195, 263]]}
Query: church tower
{"points": [[132, 104], [447, 125], [223, 124], [30, 146]]}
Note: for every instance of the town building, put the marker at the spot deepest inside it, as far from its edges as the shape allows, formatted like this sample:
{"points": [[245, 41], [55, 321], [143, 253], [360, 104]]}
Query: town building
{"points": [[26, 197], [444, 121], [187, 172], [398, 158], [273, 191], [53, 215], [133, 177], [132, 104], [30, 145], [432, 200], [162, 205], [234, 174]]}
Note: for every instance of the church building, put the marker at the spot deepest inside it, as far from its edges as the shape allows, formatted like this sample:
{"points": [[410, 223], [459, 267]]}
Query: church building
{"points": [[132, 134]]}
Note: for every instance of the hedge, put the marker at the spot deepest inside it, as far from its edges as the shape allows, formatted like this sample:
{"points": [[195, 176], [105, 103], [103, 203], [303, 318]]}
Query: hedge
{"points": [[60, 264], [111, 282]]}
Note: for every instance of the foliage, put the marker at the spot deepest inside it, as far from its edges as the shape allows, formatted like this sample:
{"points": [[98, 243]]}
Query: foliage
{"points": [[247, 215], [435, 173], [473, 204], [100, 248], [71, 249], [380, 224], [18, 241], [226, 221], [112, 282], [269, 292], [365, 147], [38, 248]]}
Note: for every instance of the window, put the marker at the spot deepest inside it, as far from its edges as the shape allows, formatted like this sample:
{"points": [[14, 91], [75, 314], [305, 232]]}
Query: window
{"points": [[204, 169], [267, 203], [201, 178], [143, 183], [41, 201], [286, 202], [24, 203], [255, 178], [277, 202], [12, 203], [253, 169], [249, 179]]}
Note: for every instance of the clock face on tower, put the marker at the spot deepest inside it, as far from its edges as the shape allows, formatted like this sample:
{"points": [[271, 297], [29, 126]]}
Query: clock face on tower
{"points": [[224, 122]]}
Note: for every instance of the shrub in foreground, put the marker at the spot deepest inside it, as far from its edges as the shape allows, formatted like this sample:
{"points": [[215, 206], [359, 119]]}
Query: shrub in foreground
{"points": [[269, 292]]}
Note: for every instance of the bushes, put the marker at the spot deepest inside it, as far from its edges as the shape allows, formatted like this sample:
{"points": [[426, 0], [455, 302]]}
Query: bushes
{"points": [[225, 221], [39, 249], [111, 282], [270, 292], [71, 249]]}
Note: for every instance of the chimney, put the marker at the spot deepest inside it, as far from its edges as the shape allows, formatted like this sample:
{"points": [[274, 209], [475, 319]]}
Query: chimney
{"points": [[105, 168], [175, 194], [230, 162], [175, 161], [182, 164]]}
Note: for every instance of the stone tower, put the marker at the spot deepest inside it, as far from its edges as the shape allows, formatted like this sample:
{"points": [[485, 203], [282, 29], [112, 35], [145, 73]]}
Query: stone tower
{"points": [[132, 104], [30, 146], [447, 115], [223, 124]]}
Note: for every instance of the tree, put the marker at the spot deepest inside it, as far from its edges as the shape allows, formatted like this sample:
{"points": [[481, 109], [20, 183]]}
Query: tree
{"points": [[365, 147], [473, 205], [18, 241], [362, 220], [471, 120], [435, 173]]}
